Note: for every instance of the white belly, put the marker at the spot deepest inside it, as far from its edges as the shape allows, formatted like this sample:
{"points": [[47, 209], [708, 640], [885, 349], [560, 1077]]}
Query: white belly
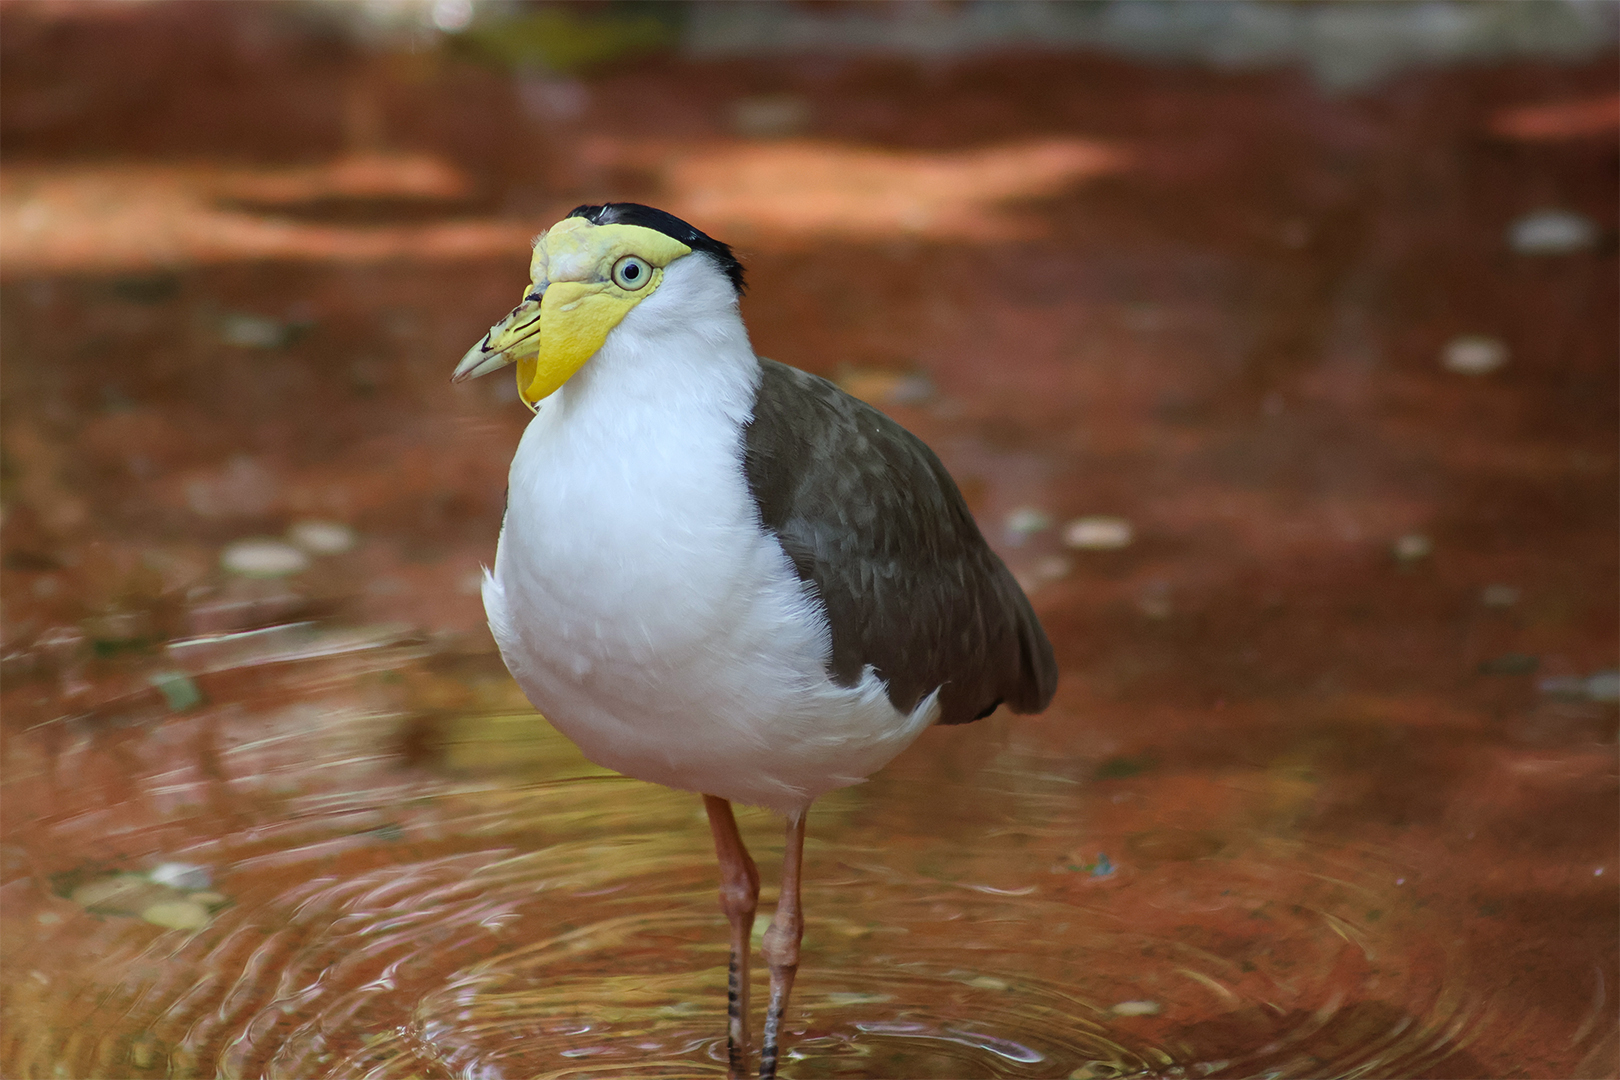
{"points": [[648, 615]]}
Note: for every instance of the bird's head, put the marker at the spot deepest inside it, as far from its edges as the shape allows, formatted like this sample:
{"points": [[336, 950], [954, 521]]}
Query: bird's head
{"points": [[588, 272]]}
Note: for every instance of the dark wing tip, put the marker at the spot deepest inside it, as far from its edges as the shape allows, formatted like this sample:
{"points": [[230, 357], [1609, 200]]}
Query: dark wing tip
{"points": [[1039, 676]]}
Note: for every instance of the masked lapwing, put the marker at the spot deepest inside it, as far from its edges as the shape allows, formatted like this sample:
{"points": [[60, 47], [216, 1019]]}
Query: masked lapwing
{"points": [[722, 574]]}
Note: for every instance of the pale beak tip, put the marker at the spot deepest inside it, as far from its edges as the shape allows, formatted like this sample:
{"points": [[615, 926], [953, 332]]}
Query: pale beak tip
{"points": [[479, 361]]}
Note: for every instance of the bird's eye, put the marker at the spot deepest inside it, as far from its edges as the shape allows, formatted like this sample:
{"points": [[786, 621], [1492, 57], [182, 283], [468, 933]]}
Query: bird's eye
{"points": [[631, 273]]}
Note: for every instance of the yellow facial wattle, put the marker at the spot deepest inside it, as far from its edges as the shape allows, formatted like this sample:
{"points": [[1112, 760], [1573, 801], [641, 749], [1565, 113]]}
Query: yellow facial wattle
{"points": [[573, 303]]}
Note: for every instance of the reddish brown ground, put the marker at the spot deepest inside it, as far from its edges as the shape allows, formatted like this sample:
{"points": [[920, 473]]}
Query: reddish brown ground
{"points": [[1222, 321]]}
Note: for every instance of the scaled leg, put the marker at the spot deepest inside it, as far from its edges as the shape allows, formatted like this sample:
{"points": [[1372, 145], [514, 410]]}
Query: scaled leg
{"points": [[781, 945], [739, 898]]}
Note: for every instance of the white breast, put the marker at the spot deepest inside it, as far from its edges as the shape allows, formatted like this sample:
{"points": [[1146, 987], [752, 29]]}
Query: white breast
{"points": [[636, 597]]}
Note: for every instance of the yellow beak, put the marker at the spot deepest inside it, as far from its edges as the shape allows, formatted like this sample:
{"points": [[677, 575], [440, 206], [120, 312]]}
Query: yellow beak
{"points": [[550, 339], [572, 307]]}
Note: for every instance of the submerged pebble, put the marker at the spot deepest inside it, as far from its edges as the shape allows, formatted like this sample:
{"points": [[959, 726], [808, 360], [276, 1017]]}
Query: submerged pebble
{"points": [[1499, 596], [1563, 687], [1474, 354], [322, 537], [263, 558], [1137, 1008], [176, 915], [181, 875], [177, 689], [144, 1051], [1098, 533], [1552, 232], [1412, 547], [1604, 687], [255, 331], [1025, 522]]}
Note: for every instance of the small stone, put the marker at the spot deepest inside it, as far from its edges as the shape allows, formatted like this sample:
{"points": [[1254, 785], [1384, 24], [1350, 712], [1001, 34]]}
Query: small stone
{"points": [[1098, 533], [144, 1051], [987, 982], [1499, 596], [264, 558], [176, 915], [1474, 354], [179, 875], [451, 16], [322, 537], [1412, 547], [1552, 232], [177, 689], [1025, 522], [1137, 1008], [1563, 687], [1604, 687], [254, 331]]}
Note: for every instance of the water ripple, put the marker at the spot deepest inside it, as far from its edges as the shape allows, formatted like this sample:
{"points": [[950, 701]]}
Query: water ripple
{"points": [[388, 920]]}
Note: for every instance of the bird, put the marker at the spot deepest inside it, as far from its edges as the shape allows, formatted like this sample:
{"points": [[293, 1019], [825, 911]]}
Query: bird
{"points": [[723, 574]]}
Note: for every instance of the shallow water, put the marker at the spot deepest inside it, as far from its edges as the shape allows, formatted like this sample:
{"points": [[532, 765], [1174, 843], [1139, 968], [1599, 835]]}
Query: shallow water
{"points": [[1329, 786], [398, 889]]}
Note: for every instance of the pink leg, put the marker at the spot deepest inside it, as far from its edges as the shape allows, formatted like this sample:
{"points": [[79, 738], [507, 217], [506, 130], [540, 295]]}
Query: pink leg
{"points": [[781, 945], [739, 897]]}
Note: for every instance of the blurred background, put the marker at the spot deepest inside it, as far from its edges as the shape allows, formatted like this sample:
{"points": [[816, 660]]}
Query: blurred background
{"points": [[1274, 346]]}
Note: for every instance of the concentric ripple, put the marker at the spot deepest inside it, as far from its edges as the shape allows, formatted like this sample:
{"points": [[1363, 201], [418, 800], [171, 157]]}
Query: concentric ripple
{"points": [[489, 905]]}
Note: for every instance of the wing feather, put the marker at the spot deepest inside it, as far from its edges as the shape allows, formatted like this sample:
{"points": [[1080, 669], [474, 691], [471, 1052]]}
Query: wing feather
{"points": [[873, 521]]}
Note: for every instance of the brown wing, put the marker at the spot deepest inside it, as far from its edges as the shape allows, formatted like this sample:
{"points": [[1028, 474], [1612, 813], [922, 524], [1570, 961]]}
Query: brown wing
{"points": [[871, 518]]}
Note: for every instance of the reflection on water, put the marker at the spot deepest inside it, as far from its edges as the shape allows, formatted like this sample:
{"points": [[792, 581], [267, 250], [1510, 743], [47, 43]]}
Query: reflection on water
{"points": [[381, 886]]}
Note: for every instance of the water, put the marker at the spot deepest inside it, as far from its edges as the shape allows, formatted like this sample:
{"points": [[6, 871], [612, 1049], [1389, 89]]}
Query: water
{"points": [[1329, 786], [399, 889]]}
